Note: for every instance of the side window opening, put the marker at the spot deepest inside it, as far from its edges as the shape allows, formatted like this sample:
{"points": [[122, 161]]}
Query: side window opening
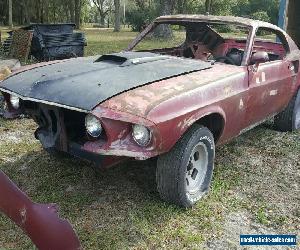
{"points": [[271, 41]]}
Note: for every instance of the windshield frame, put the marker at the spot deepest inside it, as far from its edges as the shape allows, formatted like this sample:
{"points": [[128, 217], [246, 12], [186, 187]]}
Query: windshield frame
{"points": [[153, 25]]}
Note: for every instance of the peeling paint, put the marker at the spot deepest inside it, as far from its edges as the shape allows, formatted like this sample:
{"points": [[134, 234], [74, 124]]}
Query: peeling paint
{"points": [[23, 213], [241, 106], [273, 92]]}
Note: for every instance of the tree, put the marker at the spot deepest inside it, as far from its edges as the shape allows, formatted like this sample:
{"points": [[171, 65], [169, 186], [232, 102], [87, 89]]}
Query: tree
{"points": [[182, 6], [208, 6], [117, 16], [78, 7], [10, 22], [104, 7], [26, 11], [71, 10], [167, 8]]}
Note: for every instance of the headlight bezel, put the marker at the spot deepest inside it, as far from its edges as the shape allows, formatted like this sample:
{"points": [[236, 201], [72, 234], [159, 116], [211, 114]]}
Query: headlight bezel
{"points": [[90, 118], [140, 141]]}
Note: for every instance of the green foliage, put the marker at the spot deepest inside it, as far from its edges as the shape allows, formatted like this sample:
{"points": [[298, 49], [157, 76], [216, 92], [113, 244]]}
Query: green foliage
{"points": [[138, 19], [138, 12], [261, 15], [266, 10], [223, 7]]}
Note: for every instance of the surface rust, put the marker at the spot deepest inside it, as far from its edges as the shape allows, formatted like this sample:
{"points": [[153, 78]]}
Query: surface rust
{"points": [[236, 97]]}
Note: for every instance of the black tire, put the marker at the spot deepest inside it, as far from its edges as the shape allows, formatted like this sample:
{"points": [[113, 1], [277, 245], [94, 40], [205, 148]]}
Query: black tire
{"points": [[289, 118], [172, 168]]}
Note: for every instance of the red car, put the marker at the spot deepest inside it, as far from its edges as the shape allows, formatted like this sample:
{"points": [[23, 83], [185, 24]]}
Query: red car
{"points": [[184, 85]]}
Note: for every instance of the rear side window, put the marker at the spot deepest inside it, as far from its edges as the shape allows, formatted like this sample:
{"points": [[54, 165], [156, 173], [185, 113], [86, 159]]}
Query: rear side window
{"points": [[271, 41]]}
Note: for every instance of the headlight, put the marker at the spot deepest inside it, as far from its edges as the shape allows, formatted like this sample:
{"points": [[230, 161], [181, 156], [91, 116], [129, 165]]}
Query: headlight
{"points": [[15, 101], [93, 126], [141, 135]]}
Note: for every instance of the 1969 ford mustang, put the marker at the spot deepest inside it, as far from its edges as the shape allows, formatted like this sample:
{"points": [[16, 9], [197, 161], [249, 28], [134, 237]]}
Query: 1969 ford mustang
{"points": [[208, 80]]}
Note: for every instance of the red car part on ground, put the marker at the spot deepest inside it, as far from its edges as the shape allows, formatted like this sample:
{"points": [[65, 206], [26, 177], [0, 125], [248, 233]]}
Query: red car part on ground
{"points": [[39, 221]]}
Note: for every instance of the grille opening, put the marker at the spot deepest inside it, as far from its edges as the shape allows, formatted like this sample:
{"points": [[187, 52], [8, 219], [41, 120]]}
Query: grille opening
{"points": [[74, 124], [29, 105], [75, 127], [74, 121], [53, 121]]}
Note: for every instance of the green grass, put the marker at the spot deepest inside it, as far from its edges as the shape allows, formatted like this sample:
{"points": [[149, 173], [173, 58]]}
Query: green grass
{"points": [[107, 41], [115, 209], [119, 208]]}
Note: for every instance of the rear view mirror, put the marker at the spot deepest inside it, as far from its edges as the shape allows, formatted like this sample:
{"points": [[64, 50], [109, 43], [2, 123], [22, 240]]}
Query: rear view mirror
{"points": [[259, 57]]}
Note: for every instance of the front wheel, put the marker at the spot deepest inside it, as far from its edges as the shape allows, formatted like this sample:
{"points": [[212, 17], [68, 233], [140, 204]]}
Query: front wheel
{"points": [[184, 174]]}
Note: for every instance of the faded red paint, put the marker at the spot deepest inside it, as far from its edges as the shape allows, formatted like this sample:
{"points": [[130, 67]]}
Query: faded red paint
{"points": [[39, 221], [173, 105], [237, 97]]}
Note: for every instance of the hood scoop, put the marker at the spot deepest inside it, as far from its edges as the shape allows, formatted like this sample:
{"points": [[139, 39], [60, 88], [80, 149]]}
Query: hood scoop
{"points": [[131, 58]]}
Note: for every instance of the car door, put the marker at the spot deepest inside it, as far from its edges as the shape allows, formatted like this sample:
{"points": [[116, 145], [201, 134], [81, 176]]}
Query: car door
{"points": [[270, 82]]}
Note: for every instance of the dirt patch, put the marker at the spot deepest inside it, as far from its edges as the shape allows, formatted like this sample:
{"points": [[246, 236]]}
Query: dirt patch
{"points": [[266, 189], [236, 224], [15, 136]]}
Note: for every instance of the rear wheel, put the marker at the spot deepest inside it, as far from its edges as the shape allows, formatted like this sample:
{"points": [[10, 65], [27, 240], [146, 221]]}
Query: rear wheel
{"points": [[289, 119], [184, 174]]}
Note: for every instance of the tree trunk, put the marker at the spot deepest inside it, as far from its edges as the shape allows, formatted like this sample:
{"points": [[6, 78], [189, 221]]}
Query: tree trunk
{"points": [[102, 20], [72, 10], [77, 13], [10, 22], [117, 16], [164, 30], [208, 5], [46, 8], [42, 12], [26, 11]]}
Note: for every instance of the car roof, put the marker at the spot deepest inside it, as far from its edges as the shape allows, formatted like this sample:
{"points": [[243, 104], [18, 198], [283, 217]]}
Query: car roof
{"points": [[216, 19]]}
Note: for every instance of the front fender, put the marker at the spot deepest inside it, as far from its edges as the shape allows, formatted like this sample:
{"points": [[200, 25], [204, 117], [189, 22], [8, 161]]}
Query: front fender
{"points": [[181, 124]]}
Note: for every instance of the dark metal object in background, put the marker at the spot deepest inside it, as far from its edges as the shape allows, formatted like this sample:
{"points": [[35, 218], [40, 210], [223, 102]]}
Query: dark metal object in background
{"points": [[39, 221], [7, 43], [52, 41], [20, 45], [56, 41]]}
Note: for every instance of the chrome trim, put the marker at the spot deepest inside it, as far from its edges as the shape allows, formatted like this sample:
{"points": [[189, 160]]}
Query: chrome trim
{"points": [[43, 101]]}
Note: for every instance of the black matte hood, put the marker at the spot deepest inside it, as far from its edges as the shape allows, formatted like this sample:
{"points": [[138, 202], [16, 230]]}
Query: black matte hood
{"points": [[83, 83]]}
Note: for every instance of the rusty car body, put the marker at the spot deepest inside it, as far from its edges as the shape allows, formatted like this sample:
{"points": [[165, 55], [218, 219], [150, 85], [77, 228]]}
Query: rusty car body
{"points": [[156, 102]]}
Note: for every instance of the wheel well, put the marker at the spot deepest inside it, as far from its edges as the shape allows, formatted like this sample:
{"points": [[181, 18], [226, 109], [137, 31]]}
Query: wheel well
{"points": [[214, 122]]}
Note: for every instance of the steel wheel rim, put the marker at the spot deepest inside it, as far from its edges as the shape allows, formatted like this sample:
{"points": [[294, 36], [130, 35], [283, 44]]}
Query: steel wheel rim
{"points": [[196, 168]]}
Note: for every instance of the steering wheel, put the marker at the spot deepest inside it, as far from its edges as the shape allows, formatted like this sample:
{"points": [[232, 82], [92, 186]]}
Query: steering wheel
{"points": [[225, 59]]}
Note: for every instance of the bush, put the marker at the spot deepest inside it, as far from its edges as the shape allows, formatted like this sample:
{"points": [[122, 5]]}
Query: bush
{"points": [[136, 19], [261, 15], [139, 19]]}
